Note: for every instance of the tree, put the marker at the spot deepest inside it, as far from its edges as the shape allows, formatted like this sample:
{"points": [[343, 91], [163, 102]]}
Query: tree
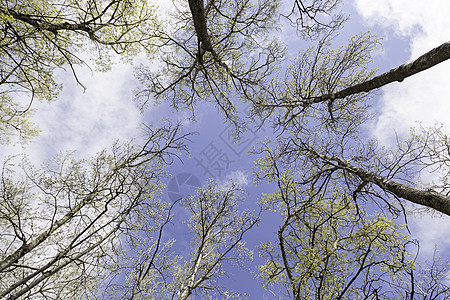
{"points": [[320, 109], [223, 51], [217, 229], [309, 17], [61, 225], [327, 136], [322, 85], [323, 127], [216, 51], [41, 37], [338, 193], [422, 63], [329, 247]]}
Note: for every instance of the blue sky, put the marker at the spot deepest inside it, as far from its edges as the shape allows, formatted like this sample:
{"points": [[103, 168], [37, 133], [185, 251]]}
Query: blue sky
{"points": [[91, 121]]}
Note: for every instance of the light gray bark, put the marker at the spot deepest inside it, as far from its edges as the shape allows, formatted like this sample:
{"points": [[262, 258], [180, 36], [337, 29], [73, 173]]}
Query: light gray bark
{"points": [[29, 246]]}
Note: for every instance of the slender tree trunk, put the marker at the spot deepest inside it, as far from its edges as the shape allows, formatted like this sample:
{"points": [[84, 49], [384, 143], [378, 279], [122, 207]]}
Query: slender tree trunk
{"points": [[426, 61], [427, 198], [48, 26]]}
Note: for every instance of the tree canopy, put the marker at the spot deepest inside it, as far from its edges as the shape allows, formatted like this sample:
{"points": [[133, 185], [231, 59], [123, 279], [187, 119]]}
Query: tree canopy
{"points": [[97, 228]]}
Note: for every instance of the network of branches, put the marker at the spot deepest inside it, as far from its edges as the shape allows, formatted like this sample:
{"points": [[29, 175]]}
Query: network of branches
{"points": [[98, 228]]}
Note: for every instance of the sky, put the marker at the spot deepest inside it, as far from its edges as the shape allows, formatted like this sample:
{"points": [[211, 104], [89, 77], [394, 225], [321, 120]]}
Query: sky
{"points": [[89, 121]]}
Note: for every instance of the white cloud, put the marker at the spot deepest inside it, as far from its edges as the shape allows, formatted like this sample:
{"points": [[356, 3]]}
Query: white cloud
{"points": [[85, 121], [397, 14], [431, 231], [425, 96], [239, 177]]}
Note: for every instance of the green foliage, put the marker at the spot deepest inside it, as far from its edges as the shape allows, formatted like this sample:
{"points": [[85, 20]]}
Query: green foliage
{"points": [[13, 120], [292, 101], [328, 248]]}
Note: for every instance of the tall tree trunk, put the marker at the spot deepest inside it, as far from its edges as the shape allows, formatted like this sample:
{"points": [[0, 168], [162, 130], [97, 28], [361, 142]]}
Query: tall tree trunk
{"points": [[198, 15], [426, 61], [427, 198]]}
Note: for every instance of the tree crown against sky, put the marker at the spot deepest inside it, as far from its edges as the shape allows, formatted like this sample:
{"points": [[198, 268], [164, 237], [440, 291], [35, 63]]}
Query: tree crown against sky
{"points": [[41, 37], [324, 93], [153, 269], [337, 192], [62, 224]]}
